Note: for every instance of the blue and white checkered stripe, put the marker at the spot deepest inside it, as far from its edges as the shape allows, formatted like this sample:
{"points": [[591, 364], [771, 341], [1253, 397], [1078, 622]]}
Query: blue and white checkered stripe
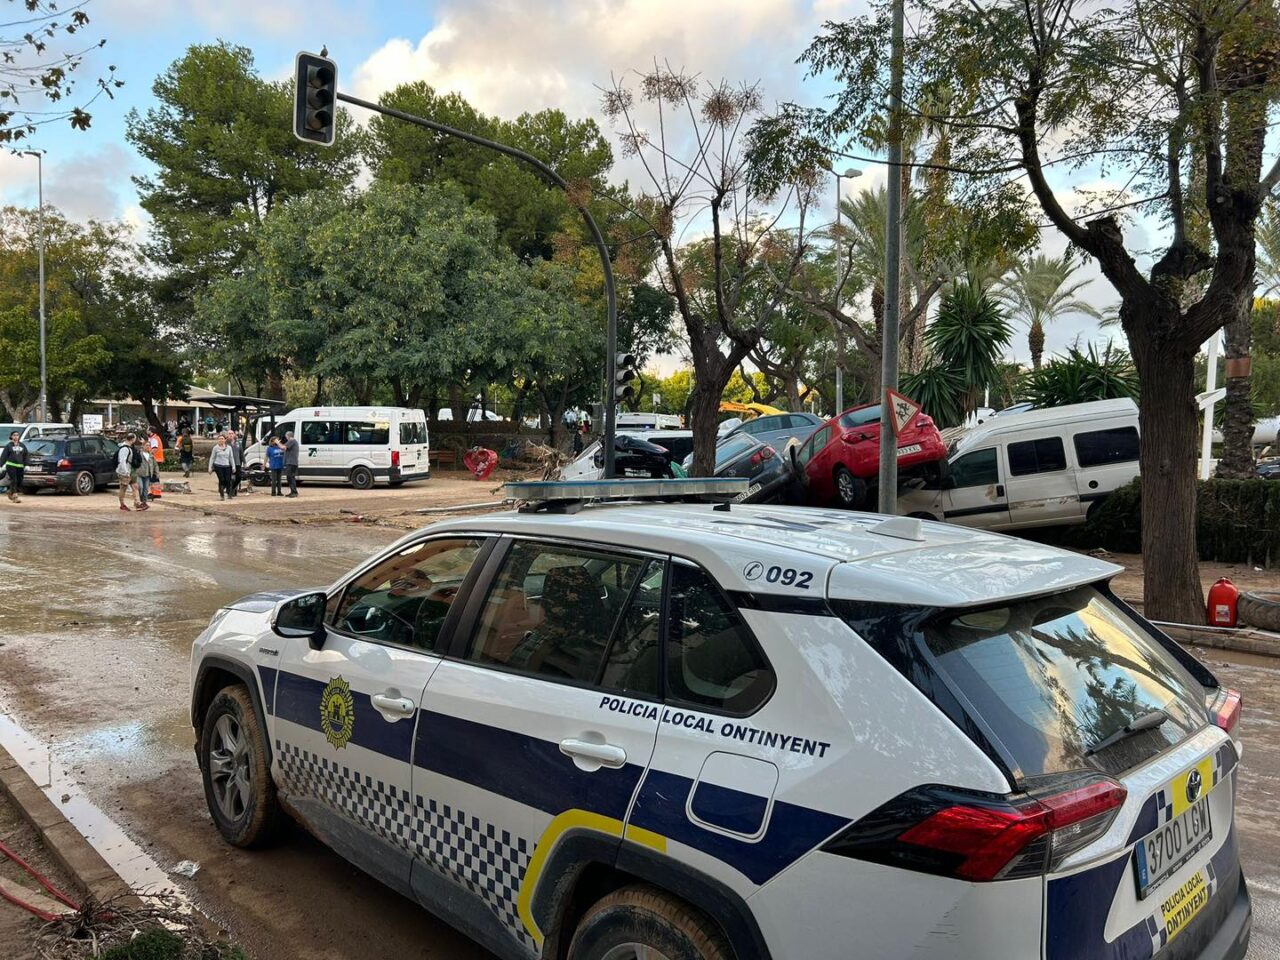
{"points": [[483, 858]]}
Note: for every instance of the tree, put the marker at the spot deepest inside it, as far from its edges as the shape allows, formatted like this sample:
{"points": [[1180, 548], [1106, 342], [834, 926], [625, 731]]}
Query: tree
{"points": [[1162, 97], [1080, 377], [1038, 292], [225, 157], [38, 74], [964, 345], [697, 171]]}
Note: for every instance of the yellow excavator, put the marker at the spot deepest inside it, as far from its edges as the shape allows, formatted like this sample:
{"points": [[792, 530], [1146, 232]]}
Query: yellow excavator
{"points": [[748, 409]]}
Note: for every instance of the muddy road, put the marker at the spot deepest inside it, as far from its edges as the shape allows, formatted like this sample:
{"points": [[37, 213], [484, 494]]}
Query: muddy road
{"points": [[97, 614]]}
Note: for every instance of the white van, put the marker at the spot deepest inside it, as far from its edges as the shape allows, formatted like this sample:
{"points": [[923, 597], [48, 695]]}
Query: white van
{"points": [[1035, 469], [356, 445], [649, 421], [31, 431]]}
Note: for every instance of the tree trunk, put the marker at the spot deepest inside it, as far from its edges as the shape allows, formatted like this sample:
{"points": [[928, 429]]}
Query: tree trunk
{"points": [[319, 399], [149, 411], [1035, 343], [704, 412], [1237, 430], [1167, 418], [275, 385]]}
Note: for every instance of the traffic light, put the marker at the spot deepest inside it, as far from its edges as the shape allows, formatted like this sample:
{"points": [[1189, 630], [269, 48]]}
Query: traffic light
{"points": [[626, 380], [315, 99]]}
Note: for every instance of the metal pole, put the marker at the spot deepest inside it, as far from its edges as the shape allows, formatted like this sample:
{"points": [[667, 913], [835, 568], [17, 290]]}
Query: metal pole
{"points": [[42, 406], [1210, 384], [611, 339], [839, 332], [893, 243]]}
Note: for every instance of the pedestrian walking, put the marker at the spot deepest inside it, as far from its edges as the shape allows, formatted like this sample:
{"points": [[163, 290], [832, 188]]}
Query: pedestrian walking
{"points": [[237, 461], [148, 474], [156, 444], [220, 463], [291, 463], [128, 460], [15, 465], [275, 463], [186, 451]]}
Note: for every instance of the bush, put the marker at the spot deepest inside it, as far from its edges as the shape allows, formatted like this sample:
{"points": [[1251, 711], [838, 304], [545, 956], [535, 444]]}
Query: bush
{"points": [[1237, 521]]}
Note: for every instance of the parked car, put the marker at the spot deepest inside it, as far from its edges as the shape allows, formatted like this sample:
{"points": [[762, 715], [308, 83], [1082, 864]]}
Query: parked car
{"points": [[767, 472], [776, 429], [1269, 470], [78, 465], [29, 431], [841, 459], [763, 733], [1041, 468]]}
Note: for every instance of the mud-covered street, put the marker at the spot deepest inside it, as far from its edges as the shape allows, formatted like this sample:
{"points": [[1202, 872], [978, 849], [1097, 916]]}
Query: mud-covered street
{"points": [[97, 614]]}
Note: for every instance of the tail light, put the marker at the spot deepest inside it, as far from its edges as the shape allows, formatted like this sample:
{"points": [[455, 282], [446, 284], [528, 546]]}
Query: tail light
{"points": [[980, 836], [761, 455], [395, 458], [1224, 708], [64, 464]]}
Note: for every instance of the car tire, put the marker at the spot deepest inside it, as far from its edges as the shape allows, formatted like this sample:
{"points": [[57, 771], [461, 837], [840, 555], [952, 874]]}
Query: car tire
{"points": [[851, 492], [1260, 609], [85, 483], [642, 922], [362, 478], [237, 777], [257, 476]]}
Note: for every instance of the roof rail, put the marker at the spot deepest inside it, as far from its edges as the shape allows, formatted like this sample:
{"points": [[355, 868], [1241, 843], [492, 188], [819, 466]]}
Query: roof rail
{"points": [[569, 496]]}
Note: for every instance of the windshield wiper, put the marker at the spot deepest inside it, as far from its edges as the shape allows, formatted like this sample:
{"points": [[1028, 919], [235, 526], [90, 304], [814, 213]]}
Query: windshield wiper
{"points": [[1148, 721]]}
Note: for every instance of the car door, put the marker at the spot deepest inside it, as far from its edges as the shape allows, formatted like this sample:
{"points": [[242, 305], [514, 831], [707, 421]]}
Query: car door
{"points": [[345, 711], [107, 466], [976, 494], [540, 726], [1041, 483], [813, 463], [320, 450], [1105, 459]]}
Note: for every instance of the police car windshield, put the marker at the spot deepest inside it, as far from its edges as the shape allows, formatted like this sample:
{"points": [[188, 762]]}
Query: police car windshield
{"points": [[1055, 676]]}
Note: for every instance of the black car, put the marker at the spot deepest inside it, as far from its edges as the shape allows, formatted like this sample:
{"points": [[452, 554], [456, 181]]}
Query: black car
{"points": [[768, 473], [77, 464], [1269, 469]]}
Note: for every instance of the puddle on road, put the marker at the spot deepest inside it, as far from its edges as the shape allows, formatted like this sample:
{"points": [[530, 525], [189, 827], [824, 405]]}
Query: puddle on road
{"points": [[134, 864]]}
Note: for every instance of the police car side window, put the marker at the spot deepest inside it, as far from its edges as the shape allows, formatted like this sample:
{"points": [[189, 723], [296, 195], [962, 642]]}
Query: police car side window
{"points": [[631, 665], [405, 598], [553, 609], [712, 658]]}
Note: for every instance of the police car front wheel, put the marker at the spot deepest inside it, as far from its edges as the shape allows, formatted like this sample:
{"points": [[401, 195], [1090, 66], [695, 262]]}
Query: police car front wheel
{"points": [[641, 923], [237, 779]]}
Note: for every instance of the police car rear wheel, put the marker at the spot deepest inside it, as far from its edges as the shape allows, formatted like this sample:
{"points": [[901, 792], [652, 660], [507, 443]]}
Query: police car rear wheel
{"points": [[641, 923], [237, 781]]}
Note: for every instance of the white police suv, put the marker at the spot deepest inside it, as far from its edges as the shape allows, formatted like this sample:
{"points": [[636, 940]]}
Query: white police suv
{"points": [[701, 732]]}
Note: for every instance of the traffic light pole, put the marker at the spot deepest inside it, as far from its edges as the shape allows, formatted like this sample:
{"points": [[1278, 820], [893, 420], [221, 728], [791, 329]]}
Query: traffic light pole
{"points": [[611, 346]]}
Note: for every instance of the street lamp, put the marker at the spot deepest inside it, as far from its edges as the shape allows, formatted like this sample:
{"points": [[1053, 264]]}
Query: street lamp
{"points": [[44, 380], [848, 174]]}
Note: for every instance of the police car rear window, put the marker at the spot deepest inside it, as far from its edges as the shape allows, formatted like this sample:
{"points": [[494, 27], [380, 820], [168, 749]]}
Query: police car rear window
{"points": [[1036, 683], [1053, 677]]}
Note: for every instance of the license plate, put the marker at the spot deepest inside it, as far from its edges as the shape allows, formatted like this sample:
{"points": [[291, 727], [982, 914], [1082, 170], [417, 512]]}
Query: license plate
{"points": [[1162, 852], [751, 491], [904, 451]]}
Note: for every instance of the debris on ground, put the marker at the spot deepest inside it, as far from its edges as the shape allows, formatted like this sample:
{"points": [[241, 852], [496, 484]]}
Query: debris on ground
{"points": [[1101, 553], [157, 929], [186, 868]]}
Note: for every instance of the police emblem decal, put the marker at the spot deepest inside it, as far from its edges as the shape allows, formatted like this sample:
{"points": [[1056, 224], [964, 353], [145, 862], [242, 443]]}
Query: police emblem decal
{"points": [[337, 712]]}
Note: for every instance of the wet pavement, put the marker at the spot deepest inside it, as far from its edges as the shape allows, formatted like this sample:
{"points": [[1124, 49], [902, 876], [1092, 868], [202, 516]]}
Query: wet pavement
{"points": [[97, 615]]}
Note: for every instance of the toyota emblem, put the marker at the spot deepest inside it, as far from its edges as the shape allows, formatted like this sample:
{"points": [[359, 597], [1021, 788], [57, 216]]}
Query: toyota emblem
{"points": [[1194, 784]]}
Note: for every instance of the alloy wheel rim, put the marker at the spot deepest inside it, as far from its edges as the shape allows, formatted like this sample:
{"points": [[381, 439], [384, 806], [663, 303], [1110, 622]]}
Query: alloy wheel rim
{"points": [[229, 769], [634, 951], [846, 487], [86, 483]]}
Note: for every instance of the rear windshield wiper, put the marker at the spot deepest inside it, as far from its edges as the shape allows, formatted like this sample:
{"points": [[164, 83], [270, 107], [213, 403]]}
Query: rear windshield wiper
{"points": [[1148, 721]]}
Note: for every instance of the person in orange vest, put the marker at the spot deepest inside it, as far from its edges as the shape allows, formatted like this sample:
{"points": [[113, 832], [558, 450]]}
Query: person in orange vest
{"points": [[156, 443]]}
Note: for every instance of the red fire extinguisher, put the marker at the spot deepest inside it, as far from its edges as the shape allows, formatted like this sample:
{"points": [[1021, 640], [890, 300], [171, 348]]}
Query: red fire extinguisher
{"points": [[1223, 596]]}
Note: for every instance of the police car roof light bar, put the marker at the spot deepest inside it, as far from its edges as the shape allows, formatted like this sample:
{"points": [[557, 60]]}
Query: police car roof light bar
{"points": [[569, 495]]}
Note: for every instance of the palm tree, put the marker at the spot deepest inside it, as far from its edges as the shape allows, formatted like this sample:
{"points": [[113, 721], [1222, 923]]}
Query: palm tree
{"points": [[1038, 293], [1268, 243], [966, 338]]}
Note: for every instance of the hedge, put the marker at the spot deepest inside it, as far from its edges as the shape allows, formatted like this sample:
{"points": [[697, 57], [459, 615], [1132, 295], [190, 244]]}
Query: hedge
{"points": [[1237, 521]]}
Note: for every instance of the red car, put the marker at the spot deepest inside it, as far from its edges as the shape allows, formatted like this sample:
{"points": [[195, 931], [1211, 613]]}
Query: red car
{"points": [[843, 455]]}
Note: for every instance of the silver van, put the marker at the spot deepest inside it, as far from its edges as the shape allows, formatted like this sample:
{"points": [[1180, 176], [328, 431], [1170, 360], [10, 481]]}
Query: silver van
{"points": [[1036, 469]]}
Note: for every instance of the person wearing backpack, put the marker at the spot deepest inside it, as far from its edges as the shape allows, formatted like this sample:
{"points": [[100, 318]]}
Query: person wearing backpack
{"points": [[128, 460], [186, 451]]}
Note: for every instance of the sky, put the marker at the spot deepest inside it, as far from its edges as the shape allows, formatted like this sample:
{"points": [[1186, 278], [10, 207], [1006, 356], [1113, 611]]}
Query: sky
{"points": [[504, 56]]}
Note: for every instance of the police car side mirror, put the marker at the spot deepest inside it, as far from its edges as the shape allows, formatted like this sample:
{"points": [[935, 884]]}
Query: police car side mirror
{"points": [[302, 617]]}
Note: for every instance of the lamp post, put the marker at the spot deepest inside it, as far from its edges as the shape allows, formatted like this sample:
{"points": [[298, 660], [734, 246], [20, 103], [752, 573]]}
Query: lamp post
{"points": [[848, 174], [44, 378]]}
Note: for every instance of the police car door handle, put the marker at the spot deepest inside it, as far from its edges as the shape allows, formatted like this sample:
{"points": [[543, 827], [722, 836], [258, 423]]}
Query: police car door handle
{"points": [[605, 754], [400, 706]]}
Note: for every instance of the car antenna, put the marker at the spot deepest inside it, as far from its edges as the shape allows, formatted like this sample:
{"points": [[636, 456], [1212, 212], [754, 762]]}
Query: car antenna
{"points": [[903, 528]]}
